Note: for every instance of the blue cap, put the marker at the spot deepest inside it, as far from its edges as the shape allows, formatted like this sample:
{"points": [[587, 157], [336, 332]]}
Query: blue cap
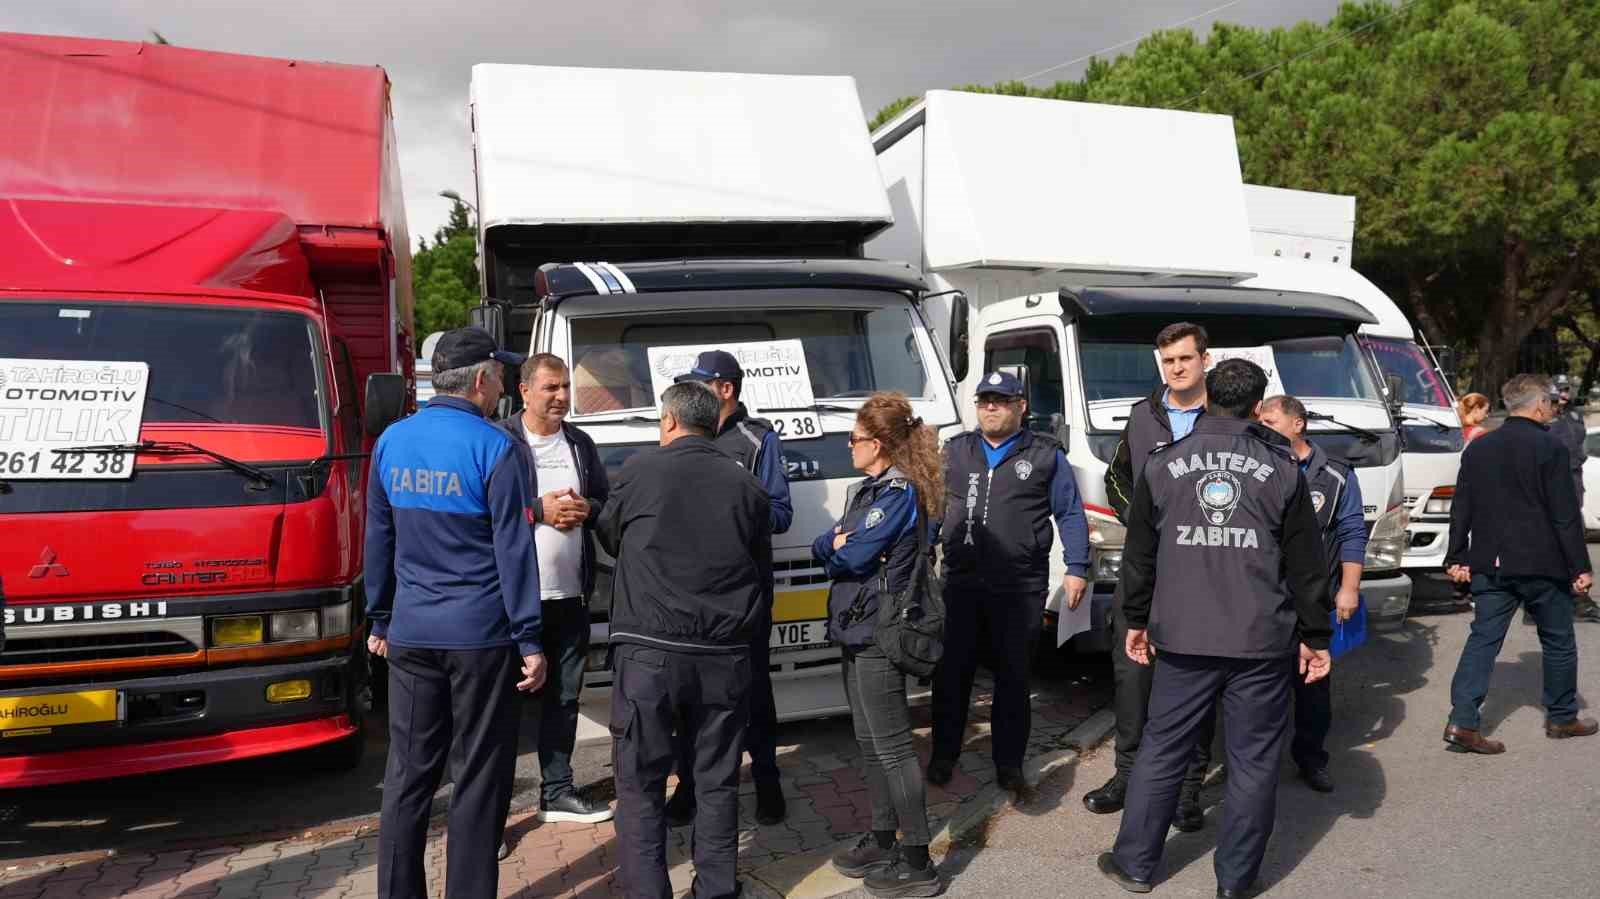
{"points": [[1000, 383], [469, 346], [713, 365]]}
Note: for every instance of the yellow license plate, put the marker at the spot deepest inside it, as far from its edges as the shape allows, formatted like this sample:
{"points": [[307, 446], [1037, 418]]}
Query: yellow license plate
{"points": [[57, 709]]}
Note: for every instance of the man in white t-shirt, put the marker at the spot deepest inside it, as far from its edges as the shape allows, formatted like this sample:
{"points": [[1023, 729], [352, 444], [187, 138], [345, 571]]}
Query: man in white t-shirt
{"points": [[570, 483]]}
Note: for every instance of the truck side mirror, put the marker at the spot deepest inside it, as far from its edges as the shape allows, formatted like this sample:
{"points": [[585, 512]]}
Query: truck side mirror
{"points": [[1396, 398], [490, 316], [960, 342], [386, 401]]}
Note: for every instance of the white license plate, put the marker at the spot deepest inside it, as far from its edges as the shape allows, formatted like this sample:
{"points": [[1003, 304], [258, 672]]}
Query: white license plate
{"points": [[792, 426], [793, 635]]}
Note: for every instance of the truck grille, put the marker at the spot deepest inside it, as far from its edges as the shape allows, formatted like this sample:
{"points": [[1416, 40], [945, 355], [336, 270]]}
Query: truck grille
{"points": [[58, 644]]}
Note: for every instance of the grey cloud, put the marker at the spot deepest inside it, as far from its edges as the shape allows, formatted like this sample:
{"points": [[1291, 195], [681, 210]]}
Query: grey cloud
{"points": [[893, 48]]}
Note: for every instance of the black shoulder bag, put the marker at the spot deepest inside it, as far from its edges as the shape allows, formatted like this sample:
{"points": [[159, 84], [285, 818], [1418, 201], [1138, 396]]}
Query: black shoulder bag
{"points": [[910, 627]]}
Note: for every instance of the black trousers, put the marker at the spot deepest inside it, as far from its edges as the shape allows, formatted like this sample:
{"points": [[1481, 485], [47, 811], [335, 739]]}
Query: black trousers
{"points": [[1254, 695], [1132, 682], [655, 695], [565, 632], [454, 707], [761, 731], [1313, 718], [1005, 627]]}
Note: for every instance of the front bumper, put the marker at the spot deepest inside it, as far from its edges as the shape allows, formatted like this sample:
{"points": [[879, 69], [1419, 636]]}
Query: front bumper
{"points": [[1426, 544], [1388, 597], [184, 720]]}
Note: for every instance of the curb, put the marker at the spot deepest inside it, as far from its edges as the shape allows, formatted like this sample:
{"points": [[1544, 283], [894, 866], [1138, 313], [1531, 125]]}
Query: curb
{"points": [[814, 877]]}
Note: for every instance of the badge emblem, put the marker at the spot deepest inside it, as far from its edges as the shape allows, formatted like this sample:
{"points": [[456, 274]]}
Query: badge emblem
{"points": [[1317, 499], [994, 378], [1023, 468], [1218, 492], [874, 518]]}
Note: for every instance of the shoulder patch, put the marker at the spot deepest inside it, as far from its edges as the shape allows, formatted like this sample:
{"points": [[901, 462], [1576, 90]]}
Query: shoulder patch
{"points": [[874, 518], [897, 484]]}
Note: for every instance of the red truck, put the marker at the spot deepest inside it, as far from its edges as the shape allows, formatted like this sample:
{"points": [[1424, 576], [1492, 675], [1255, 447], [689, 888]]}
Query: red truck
{"points": [[205, 321]]}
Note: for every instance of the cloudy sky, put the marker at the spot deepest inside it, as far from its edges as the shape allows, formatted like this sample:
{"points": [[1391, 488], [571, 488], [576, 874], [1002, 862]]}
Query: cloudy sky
{"points": [[892, 47]]}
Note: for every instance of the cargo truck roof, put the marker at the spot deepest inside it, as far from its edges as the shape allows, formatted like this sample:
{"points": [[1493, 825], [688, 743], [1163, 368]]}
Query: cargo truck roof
{"points": [[557, 281], [123, 122], [1034, 184], [1301, 224], [588, 146]]}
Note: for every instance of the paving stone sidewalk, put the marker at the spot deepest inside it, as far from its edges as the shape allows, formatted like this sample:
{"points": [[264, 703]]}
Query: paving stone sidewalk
{"points": [[827, 802]]}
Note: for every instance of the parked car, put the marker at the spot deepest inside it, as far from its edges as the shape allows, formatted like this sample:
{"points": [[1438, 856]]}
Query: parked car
{"points": [[1591, 484]]}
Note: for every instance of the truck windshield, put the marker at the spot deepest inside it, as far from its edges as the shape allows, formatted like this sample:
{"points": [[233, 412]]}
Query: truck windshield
{"points": [[1420, 383], [1327, 367], [207, 365], [850, 352]]}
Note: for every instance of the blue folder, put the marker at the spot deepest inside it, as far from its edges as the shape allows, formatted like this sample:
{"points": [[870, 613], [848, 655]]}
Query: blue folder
{"points": [[1347, 635]]}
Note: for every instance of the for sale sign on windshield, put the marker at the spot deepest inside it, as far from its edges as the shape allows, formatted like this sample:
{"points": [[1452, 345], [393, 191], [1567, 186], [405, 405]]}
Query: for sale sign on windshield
{"points": [[777, 383], [51, 405]]}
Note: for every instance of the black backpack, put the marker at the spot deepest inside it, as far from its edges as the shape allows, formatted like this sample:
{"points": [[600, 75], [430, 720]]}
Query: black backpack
{"points": [[910, 627]]}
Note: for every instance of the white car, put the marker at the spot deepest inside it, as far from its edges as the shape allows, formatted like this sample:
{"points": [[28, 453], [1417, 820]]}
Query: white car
{"points": [[1591, 483]]}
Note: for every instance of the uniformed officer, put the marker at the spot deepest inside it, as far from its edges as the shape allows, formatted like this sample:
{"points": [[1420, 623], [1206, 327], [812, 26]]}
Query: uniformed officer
{"points": [[753, 443], [1224, 585], [1169, 414], [453, 597], [692, 535], [1336, 498], [1009, 483]]}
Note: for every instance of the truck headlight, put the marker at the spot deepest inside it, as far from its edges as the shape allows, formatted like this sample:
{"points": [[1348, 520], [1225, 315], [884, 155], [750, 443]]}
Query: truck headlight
{"points": [[1438, 502], [1106, 539], [241, 630], [1388, 541], [294, 626]]}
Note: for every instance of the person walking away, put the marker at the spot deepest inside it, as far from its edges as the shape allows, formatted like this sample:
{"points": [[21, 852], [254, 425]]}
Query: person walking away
{"points": [[997, 571], [566, 467], [452, 586], [1336, 500], [1167, 416], [1517, 537], [692, 536], [870, 554], [1474, 410], [1224, 584], [754, 444]]}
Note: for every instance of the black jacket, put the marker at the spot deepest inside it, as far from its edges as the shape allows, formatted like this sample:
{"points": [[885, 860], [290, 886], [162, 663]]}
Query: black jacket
{"points": [[1224, 554], [692, 535], [592, 484], [1569, 429], [882, 519], [1515, 507], [1147, 428]]}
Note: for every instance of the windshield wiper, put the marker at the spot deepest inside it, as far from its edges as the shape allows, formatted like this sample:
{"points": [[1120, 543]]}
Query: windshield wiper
{"points": [[1365, 435], [176, 448], [1437, 424]]}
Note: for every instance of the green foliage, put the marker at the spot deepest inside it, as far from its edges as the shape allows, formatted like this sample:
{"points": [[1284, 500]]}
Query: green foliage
{"points": [[1469, 133], [889, 112], [445, 275]]}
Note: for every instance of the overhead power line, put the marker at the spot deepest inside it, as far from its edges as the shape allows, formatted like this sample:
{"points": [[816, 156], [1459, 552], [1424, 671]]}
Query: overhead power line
{"points": [[1131, 40]]}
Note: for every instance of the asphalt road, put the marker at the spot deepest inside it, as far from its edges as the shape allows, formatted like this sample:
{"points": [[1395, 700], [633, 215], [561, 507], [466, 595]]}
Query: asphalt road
{"points": [[1407, 819]]}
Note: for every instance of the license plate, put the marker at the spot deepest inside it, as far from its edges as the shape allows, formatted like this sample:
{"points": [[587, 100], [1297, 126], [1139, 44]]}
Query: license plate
{"points": [[793, 635], [29, 713]]}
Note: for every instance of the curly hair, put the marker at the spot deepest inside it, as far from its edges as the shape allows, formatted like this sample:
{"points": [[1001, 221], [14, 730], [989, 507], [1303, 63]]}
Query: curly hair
{"points": [[910, 445]]}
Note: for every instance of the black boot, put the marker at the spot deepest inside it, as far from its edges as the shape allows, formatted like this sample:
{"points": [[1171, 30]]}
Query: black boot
{"points": [[1109, 797], [770, 805]]}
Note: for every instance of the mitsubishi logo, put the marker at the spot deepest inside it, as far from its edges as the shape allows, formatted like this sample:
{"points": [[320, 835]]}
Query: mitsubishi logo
{"points": [[48, 565]]}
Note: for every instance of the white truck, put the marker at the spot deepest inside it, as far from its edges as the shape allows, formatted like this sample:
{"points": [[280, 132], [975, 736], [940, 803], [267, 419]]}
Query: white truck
{"points": [[628, 218], [1059, 237], [1305, 240]]}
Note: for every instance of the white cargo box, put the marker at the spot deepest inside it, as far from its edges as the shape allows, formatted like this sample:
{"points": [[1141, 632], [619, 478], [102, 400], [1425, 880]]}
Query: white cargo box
{"points": [[986, 181], [557, 145], [1301, 224]]}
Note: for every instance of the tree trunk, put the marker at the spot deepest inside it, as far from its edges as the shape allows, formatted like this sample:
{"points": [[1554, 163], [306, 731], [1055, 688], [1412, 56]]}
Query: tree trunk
{"points": [[1417, 294], [1504, 329]]}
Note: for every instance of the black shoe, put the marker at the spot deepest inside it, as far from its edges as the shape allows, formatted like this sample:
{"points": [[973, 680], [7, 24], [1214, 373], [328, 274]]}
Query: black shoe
{"points": [[1317, 779], [902, 879], [503, 853], [1109, 797], [1586, 609], [680, 808], [1114, 873], [569, 806], [940, 771], [1225, 893], [1010, 779], [770, 805], [864, 857], [1191, 817]]}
